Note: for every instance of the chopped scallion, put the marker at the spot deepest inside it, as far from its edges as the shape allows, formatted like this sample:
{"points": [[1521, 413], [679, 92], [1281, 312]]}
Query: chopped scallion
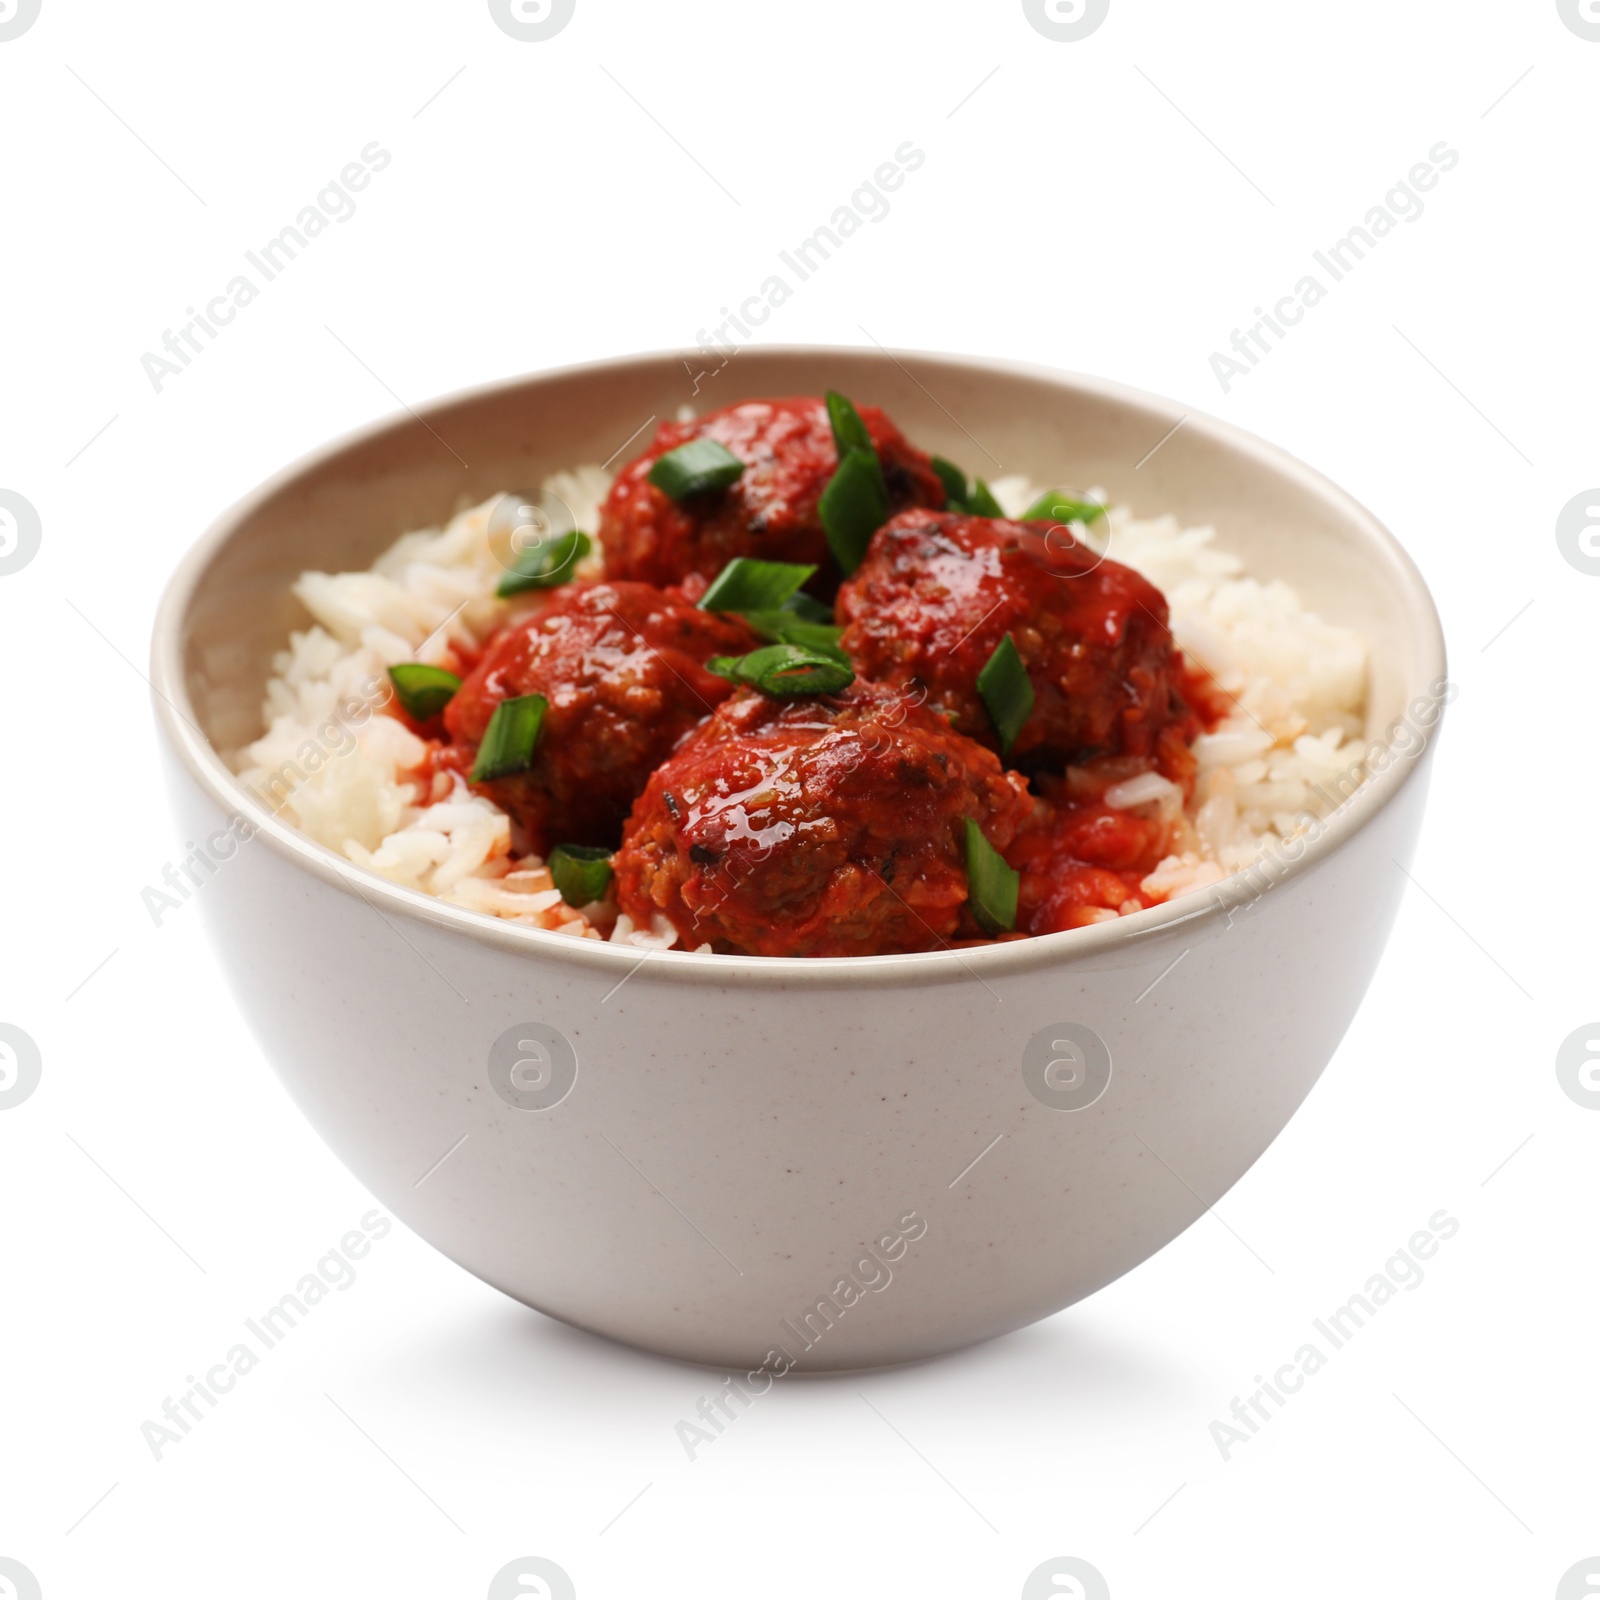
{"points": [[849, 431], [981, 502], [1055, 507], [954, 481], [786, 670], [509, 739], [785, 627], [582, 872], [545, 565], [1007, 692], [991, 884], [423, 691], [808, 608], [747, 585], [853, 507], [976, 501], [766, 594], [696, 468]]}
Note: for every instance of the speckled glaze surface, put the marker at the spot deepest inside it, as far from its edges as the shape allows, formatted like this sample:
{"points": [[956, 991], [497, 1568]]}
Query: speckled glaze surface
{"points": [[841, 1163]]}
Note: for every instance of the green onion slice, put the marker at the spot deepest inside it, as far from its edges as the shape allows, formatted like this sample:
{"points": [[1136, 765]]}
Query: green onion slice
{"points": [[1055, 507], [981, 502], [853, 507], [423, 691], [766, 594], [856, 502], [746, 585], [786, 670], [545, 565], [991, 884], [1006, 692], [582, 872], [849, 431], [695, 468], [509, 739], [808, 608], [977, 501], [784, 627], [954, 481]]}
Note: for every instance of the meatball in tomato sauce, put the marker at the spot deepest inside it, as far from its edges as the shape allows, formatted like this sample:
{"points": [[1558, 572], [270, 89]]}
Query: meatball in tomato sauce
{"points": [[770, 512], [938, 592], [622, 669], [829, 826]]}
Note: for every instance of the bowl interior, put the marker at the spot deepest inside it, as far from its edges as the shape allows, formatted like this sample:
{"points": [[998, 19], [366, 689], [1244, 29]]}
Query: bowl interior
{"points": [[340, 509]]}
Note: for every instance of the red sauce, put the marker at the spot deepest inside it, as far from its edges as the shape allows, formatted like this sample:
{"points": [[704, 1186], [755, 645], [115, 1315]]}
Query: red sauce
{"points": [[1077, 855]]}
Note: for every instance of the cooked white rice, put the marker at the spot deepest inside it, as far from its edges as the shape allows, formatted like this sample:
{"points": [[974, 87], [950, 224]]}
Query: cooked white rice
{"points": [[331, 766]]}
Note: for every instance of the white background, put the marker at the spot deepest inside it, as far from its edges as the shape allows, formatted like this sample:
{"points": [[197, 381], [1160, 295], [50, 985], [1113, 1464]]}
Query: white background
{"points": [[158, 1187]]}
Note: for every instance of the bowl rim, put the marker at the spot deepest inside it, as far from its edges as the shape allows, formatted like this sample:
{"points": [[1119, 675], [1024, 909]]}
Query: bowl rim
{"points": [[1215, 903]]}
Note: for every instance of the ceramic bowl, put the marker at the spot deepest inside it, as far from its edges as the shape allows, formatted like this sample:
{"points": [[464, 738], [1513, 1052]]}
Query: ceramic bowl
{"points": [[748, 1162]]}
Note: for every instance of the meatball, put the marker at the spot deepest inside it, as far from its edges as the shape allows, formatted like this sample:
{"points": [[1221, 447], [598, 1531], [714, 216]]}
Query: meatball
{"points": [[621, 666], [937, 592], [770, 512], [829, 826]]}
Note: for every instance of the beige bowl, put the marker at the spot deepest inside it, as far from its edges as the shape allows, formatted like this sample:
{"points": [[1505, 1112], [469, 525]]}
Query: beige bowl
{"points": [[838, 1163]]}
